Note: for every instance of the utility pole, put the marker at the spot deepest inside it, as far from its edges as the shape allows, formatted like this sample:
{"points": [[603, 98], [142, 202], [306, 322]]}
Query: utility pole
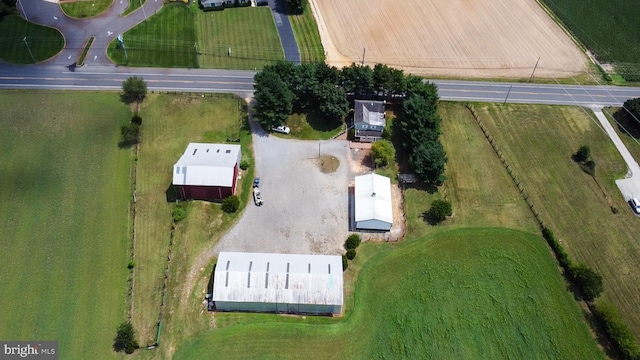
{"points": [[534, 69], [142, 6], [121, 41], [23, 12], [28, 48], [505, 99], [364, 51]]}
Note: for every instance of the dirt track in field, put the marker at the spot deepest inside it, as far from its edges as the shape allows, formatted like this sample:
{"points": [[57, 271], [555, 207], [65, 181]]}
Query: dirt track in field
{"points": [[460, 38]]}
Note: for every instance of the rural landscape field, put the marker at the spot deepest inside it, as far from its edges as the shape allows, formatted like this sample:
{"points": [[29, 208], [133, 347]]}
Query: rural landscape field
{"points": [[64, 210], [460, 38], [608, 28]]}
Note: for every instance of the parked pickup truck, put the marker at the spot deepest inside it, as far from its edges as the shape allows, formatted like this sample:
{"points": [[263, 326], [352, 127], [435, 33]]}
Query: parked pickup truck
{"points": [[257, 196]]}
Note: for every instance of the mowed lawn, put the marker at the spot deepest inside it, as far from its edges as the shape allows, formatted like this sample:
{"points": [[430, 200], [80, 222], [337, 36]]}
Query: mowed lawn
{"points": [[249, 32], [608, 28], [475, 293], [84, 9], [166, 39], [44, 42], [307, 36], [169, 124], [64, 210], [538, 141]]}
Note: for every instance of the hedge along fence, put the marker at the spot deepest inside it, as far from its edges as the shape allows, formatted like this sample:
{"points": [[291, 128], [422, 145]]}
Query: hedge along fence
{"points": [[507, 166], [604, 313]]}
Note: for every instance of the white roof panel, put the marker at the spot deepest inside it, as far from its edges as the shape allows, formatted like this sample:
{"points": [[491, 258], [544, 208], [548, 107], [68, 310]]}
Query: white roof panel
{"points": [[207, 165], [278, 278], [373, 198]]}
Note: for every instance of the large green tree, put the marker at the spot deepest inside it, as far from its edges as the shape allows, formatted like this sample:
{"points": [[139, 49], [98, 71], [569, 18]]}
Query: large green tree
{"points": [[633, 106], [332, 102], [134, 90], [296, 7], [274, 100], [428, 158], [357, 80]]}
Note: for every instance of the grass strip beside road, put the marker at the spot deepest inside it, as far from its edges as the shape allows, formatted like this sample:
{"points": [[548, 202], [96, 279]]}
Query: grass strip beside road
{"points": [[85, 9], [307, 36], [64, 204], [20, 36], [166, 39], [85, 51], [250, 33]]}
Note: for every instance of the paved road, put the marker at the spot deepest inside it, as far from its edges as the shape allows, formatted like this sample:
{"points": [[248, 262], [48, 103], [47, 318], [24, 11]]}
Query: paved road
{"points": [[104, 27], [110, 77], [289, 44]]}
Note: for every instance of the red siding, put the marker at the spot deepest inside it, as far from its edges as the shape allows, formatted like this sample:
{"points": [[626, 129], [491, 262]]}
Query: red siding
{"points": [[206, 193]]}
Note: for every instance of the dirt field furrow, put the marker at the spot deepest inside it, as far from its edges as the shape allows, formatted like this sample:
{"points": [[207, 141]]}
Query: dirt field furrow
{"points": [[460, 38]]}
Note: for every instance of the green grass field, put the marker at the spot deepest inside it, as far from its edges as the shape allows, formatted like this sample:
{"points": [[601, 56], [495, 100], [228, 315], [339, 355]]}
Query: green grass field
{"points": [[538, 141], [166, 39], [608, 28], [311, 127], [462, 294], [170, 122], [64, 204], [307, 36], [44, 42], [85, 9], [249, 32]]}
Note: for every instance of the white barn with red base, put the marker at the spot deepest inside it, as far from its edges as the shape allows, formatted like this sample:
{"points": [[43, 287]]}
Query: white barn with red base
{"points": [[373, 207], [278, 283]]}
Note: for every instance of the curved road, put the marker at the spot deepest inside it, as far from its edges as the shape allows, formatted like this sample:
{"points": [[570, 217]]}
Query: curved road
{"points": [[105, 27]]}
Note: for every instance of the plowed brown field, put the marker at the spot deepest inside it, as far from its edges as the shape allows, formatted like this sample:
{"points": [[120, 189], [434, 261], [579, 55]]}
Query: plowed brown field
{"points": [[461, 38]]}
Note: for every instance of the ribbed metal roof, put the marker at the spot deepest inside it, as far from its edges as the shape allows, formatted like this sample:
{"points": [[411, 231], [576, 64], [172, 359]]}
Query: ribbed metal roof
{"points": [[278, 278]]}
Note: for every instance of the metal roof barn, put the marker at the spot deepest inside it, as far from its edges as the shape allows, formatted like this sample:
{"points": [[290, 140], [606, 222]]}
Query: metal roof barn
{"points": [[373, 207], [282, 283], [207, 171], [207, 165]]}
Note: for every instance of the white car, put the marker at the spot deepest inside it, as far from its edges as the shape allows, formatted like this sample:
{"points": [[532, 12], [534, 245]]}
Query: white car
{"points": [[635, 205], [281, 129]]}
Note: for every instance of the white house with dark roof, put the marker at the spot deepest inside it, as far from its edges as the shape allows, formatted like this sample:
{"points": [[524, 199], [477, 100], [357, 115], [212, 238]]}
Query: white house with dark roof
{"points": [[368, 120], [207, 171]]}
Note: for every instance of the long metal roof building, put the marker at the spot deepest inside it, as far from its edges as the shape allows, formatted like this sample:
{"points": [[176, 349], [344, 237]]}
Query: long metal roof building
{"points": [[283, 283], [373, 207]]}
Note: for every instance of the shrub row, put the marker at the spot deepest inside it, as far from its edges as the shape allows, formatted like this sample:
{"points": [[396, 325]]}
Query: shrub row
{"points": [[587, 280], [353, 241], [616, 328]]}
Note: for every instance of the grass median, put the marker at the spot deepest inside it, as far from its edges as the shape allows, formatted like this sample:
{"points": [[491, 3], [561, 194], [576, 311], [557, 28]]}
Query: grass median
{"points": [[85, 9]]}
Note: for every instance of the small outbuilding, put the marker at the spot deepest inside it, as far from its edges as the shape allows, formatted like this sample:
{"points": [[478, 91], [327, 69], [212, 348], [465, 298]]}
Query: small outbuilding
{"points": [[207, 172], [373, 206], [368, 120], [278, 283]]}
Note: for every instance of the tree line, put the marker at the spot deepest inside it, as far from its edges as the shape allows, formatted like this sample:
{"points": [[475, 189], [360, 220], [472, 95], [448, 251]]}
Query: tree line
{"points": [[284, 88]]}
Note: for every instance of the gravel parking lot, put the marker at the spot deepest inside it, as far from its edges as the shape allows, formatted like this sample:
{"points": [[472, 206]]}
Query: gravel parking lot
{"points": [[305, 211]]}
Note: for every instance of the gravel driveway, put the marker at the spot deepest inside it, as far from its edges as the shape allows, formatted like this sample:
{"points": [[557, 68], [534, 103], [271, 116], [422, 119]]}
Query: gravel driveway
{"points": [[305, 211]]}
